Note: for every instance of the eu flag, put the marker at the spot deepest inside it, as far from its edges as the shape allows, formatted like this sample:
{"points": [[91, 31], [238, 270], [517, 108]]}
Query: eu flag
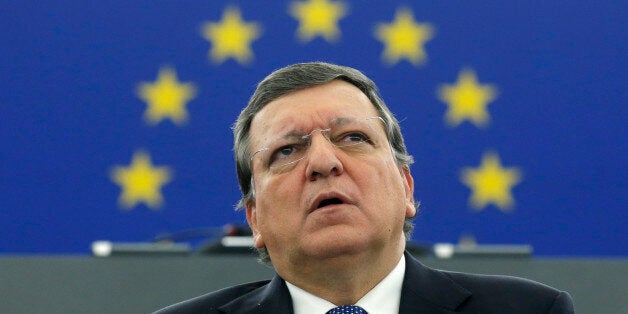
{"points": [[116, 115]]}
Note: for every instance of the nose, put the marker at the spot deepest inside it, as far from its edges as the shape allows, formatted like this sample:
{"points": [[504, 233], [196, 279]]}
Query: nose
{"points": [[322, 159]]}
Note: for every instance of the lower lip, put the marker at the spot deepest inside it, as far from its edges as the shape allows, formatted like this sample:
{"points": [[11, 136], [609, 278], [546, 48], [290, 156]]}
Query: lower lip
{"points": [[329, 208], [331, 215]]}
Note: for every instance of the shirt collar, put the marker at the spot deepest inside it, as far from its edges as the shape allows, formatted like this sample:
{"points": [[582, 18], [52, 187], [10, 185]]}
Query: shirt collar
{"points": [[384, 298]]}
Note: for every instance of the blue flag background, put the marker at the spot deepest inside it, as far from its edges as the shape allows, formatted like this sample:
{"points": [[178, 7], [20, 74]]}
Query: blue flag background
{"points": [[550, 79]]}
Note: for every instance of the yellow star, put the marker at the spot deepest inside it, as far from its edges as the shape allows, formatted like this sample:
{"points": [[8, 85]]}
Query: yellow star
{"points": [[140, 182], [166, 98], [231, 37], [467, 100], [490, 183], [404, 38], [318, 17]]}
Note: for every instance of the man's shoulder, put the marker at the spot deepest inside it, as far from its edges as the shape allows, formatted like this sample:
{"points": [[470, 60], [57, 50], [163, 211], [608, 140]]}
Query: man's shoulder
{"points": [[210, 302], [508, 292], [481, 282], [431, 288]]}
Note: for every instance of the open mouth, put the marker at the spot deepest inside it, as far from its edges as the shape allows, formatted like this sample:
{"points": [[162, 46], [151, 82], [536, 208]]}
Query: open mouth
{"points": [[329, 201]]}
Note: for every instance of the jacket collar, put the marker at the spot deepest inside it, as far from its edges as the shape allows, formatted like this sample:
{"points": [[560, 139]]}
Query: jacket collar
{"points": [[271, 298], [426, 290]]}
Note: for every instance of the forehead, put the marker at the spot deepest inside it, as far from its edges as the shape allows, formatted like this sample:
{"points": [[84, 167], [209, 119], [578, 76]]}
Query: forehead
{"points": [[309, 108]]}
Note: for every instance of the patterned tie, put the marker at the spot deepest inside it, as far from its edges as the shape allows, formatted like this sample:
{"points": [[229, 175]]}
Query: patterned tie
{"points": [[347, 309]]}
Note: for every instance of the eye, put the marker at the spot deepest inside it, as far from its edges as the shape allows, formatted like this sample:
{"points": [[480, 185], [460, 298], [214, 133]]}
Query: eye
{"points": [[282, 153], [285, 153], [351, 138]]}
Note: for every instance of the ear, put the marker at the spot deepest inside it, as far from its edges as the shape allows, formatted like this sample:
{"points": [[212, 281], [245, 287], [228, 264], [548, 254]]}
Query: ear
{"points": [[408, 182], [251, 218]]}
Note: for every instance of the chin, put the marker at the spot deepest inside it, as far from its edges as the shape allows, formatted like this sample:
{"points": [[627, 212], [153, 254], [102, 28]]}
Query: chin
{"points": [[335, 247]]}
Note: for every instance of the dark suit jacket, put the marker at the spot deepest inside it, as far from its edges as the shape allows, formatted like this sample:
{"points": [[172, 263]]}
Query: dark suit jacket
{"points": [[424, 291]]}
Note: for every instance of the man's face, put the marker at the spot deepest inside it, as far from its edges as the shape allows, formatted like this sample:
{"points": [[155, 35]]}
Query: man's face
{"points": [[335, 201]]}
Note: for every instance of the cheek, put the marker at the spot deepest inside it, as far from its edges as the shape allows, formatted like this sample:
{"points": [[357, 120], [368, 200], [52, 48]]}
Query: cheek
{"points": [[388, 188], [276, 188], [277, 197], [387, 173]]}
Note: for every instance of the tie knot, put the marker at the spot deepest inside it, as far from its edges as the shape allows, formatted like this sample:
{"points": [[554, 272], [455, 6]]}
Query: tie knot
{"points": [[347, 309]]}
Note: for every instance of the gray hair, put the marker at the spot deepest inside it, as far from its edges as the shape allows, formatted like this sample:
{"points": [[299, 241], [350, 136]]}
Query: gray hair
{"points": [[294, 78]]}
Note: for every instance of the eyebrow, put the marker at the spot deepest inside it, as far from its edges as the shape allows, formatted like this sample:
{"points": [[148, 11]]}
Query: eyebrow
{"points": [[341, 120], [294, 134], [300, 132]]}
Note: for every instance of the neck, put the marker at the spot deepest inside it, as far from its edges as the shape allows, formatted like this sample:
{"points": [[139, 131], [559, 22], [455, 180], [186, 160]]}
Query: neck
{"points": [[343, 279]]}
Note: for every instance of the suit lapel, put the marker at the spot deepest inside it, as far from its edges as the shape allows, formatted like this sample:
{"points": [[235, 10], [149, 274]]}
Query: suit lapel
{"points": [[426, 290], [271, 298]]}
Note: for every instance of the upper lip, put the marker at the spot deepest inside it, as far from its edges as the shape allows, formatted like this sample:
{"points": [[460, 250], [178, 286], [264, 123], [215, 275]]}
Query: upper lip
{"points": [[320, 198]]}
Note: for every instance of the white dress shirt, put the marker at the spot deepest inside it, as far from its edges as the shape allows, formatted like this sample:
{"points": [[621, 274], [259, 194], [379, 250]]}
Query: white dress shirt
{"points": [[384, 298]]}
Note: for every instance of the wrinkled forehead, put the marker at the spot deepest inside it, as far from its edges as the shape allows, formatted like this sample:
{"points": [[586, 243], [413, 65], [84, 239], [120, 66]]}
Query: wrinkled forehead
{"points": [[311, 108]]}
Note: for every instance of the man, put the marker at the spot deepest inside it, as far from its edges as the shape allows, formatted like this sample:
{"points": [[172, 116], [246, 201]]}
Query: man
{"points": [[328, 193]]}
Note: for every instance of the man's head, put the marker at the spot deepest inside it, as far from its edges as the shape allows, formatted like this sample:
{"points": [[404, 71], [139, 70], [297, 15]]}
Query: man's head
{"points": [[308, 99]]}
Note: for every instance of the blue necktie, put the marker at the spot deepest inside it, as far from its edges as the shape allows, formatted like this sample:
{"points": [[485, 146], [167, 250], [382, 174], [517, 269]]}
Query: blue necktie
{"points": [[347, 309]]}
